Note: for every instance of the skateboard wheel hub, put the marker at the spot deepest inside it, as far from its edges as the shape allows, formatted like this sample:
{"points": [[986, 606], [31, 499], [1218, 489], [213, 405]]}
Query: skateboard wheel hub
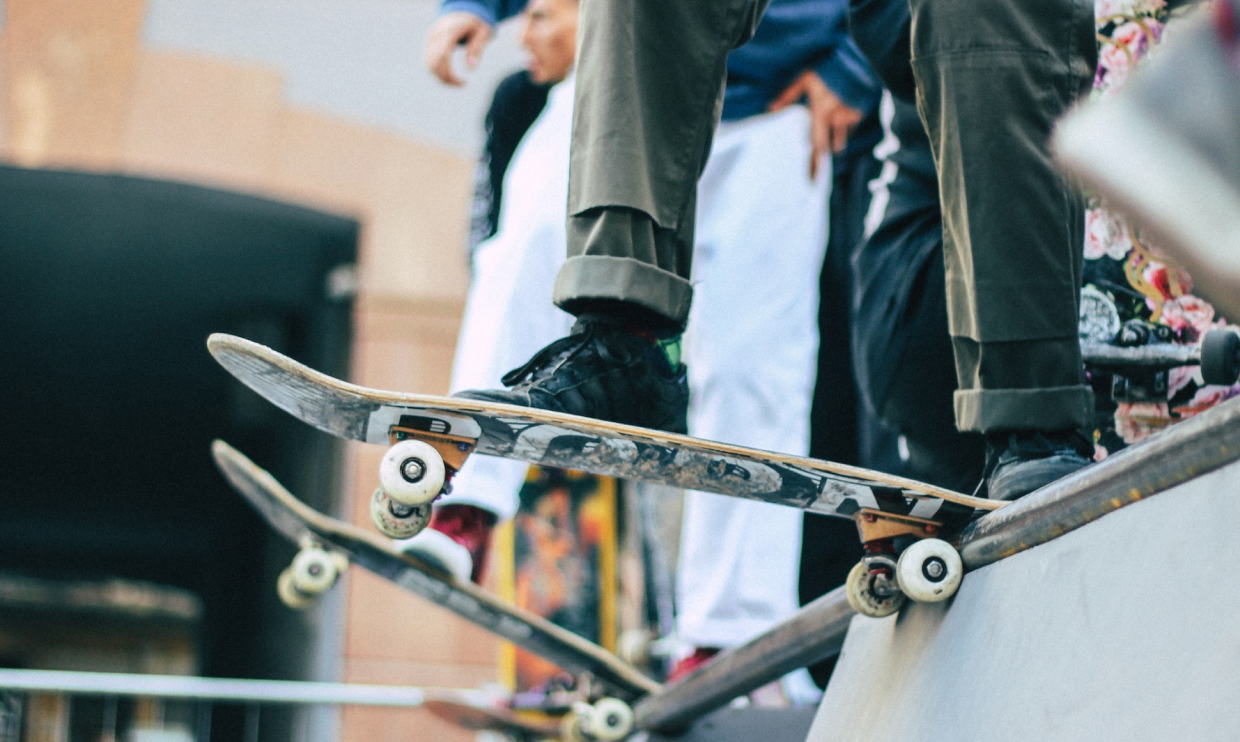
{"points": [[413, 470], [929, 571], [934, 569], [412, 473]]}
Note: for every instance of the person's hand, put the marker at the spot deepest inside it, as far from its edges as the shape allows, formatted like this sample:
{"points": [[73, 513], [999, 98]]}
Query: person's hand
{"points": [[450, 30], [831, 119]]}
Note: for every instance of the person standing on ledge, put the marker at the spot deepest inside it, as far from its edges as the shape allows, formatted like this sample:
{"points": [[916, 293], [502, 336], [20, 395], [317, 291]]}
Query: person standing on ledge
{"points": [[758, 252], [992, 76]]}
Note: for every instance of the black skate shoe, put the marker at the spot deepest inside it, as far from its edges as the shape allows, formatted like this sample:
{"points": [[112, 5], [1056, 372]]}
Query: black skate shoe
{"points": [[1020, 462], [601, 370]]}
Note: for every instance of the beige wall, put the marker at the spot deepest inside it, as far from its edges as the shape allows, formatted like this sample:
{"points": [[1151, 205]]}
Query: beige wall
{"points": [[78, 90]]}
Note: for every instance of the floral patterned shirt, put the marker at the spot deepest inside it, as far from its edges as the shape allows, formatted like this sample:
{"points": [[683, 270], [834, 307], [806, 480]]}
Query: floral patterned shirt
{"points": [[1126, 276]]}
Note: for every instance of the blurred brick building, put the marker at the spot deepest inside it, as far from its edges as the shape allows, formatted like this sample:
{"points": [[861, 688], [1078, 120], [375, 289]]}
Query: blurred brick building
{"points": [[319, 104]]}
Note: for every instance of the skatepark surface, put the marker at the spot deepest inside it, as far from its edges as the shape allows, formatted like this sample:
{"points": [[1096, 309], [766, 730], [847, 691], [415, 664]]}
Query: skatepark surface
{"points": [[1126, 628]]}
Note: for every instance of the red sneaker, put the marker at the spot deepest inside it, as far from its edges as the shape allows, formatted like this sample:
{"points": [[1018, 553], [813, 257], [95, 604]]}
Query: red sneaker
{"points": [[686, 665], [1226, 23], [456, 540]]}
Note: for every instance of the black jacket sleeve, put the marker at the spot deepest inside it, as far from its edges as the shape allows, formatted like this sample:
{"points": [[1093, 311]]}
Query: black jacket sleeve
{"points": [[882, 30]]}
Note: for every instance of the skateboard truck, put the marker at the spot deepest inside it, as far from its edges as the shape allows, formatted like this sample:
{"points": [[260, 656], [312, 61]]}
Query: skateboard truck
{"points": [[928, 570], [1140, 357], [415, 471]]}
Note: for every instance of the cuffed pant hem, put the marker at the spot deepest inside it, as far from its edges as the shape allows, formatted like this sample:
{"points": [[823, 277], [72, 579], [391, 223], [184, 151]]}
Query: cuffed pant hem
{"points": [[1053, 408], [624, 279]]}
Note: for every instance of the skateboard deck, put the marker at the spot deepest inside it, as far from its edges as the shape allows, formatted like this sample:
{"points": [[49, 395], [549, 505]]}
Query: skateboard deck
{"points": [[311, 529], [570, 442], [436, 435], [489, 718]]}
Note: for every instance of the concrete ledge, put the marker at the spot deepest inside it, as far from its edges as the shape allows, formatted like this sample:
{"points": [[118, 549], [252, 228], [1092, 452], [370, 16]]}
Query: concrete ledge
{"points": [[1126, 628], [744, 724]]}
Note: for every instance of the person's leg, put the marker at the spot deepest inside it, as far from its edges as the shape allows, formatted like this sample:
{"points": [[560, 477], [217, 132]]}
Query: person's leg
{"points": [[839, 412], [902, 354], [992, 78], [918, 400], [752, 351], [505, 321], [650, 82], [651, 77], [507, 318]]}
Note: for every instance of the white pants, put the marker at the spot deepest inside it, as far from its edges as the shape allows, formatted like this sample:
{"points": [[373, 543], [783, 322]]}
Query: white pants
{"points": [[508, 313], [751, 346], [752, 353]]}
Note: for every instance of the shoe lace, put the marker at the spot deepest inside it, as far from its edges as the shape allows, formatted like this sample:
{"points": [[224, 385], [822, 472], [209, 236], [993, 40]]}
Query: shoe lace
{"points": [[586, 334], [1037, 445], [1040, 445], [992, 461]]}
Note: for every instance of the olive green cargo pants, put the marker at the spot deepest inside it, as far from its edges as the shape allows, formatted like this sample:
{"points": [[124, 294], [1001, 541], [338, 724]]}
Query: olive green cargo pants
{"points": [[993, 75], [650, 77], [992, 78]]}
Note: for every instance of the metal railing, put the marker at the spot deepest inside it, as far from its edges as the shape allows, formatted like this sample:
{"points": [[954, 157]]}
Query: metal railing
{"points": [[39, 705]]}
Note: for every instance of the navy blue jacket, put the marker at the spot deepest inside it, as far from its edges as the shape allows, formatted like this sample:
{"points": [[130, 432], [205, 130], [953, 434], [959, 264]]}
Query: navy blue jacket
{"points": [[794, 35], [891, 303]]}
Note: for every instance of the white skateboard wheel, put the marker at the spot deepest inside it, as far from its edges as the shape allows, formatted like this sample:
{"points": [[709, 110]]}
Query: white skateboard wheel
{"points": [[929, 570], [633, 646], [863, 597], [409, 523], [289, 595], [572, 726], [610, 720], [314, 571], [412, 473]]}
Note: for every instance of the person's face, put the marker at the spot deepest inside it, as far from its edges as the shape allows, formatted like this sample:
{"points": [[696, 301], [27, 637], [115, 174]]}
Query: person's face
{"points": [[550, 36]]}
